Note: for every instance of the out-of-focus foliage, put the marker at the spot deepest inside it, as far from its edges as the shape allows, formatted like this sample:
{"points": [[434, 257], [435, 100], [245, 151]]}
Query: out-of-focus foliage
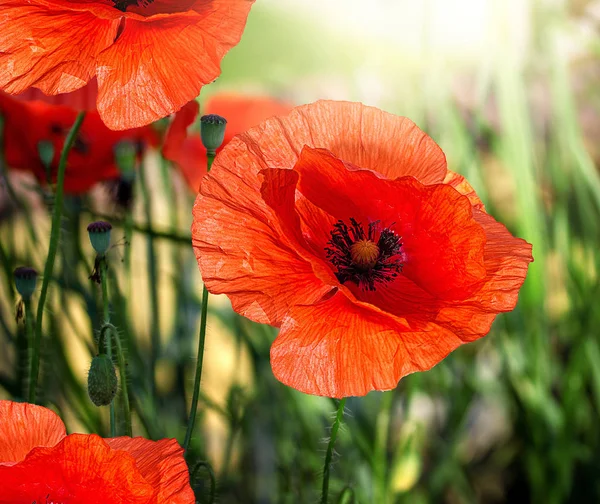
{"points": [[511, 418]]}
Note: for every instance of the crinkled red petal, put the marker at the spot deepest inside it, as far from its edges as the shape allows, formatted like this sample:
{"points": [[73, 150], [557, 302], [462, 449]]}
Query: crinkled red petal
{"points": [[80, 468], [162, 464], [256, 265], [25, 426], [148, 64], [442, 245], [340, 348], [50, 46]]}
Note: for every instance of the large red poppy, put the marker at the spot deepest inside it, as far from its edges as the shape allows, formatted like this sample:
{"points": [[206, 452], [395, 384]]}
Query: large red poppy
{"points": [[40, 463], [342, 225], [30, 124], [149, 57], [242, 113]]}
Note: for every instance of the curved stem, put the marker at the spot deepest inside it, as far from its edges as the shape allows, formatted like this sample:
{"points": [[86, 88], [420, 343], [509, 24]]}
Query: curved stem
{"points": [[106, 316], [329, 454], [198, 377], [190, 427], [54, 237]]}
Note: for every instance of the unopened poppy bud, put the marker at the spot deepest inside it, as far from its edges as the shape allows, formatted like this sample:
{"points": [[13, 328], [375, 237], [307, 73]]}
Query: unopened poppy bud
{"points": [[100, 236], [46, 152], [25, 281], [212, 131], [125, 157], [102, 380]]}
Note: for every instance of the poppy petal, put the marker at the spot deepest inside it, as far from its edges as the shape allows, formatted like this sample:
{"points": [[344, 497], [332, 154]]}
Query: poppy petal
{"points": [[255, 266], [140, 86], [364, 136], [177, 132], [461, 184], [61, 49], [187, 152], [80, 468], [506, 260], [162, 464], [442, 245], [365, 349], [83, 98], [24, 426]]}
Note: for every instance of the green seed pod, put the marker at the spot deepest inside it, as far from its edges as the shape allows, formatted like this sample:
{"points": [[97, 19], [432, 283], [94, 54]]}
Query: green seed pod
{"points": [[100, 236], [102, 380], [212, 131], [25, 281]]}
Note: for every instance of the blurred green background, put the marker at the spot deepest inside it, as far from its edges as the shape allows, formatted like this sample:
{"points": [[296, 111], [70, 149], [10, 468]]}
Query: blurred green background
{"points": [[510, 90]]}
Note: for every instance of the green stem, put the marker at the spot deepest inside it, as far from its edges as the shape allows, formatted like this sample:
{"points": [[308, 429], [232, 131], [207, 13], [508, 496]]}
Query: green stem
{"points": [[210, 157], [106, 316], [194, 406], [49, 267], [28, 343], [329, 454], [203, 315]]}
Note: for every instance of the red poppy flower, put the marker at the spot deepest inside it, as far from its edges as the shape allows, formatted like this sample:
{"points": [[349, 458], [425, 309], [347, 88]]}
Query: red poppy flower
{"points": [[241, 112], [342, 225], [149, 57], [28, 125], [40, 463]]}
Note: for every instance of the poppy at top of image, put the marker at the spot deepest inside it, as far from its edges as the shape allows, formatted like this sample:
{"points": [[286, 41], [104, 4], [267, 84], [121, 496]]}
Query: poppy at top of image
{"points": [[185, 148], [341, 225], [149, 57], [34, 133], [40, 463]]}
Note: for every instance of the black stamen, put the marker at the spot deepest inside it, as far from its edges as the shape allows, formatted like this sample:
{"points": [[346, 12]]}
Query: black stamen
{"points": [[388, 264], [123, 4]]}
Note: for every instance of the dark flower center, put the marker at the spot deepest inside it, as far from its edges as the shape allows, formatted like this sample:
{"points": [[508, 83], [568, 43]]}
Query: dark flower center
{"points": [[123, 4], [364, 258], [48, 501]]}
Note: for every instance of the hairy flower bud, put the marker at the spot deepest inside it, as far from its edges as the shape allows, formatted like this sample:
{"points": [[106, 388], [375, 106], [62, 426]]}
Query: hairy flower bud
{"points": [[102, 380]]}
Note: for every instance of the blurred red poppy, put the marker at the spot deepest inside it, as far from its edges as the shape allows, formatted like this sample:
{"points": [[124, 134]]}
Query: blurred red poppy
{"points": [[149, 57], [342, 225], [40, 463], [33, 125], [241, 112]]}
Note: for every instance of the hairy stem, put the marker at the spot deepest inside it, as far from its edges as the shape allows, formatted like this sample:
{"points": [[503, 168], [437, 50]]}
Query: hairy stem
{"points": [[329, 454]]}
